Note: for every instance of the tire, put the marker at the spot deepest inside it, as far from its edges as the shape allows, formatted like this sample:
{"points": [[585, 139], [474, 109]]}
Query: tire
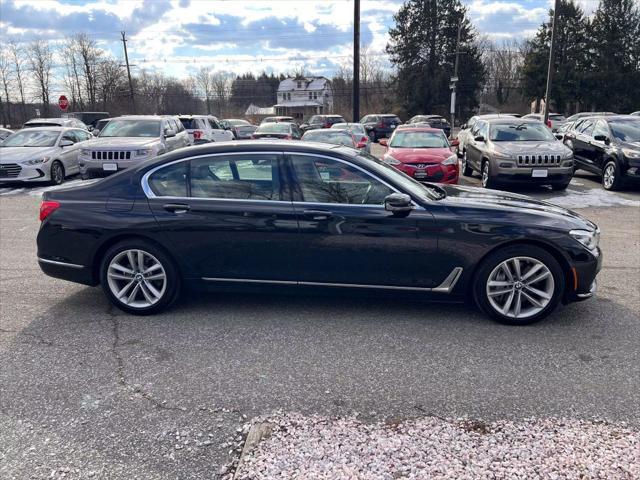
{"points": [[487, 181], [467, 171], [56, 173], [372, 136], [546, 290], [86, 176], [146, 294], [611, 176], [560, 186]]}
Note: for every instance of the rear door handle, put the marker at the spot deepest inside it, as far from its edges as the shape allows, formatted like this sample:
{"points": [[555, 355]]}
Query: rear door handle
{"points": [[177, 207], [318, 214]]}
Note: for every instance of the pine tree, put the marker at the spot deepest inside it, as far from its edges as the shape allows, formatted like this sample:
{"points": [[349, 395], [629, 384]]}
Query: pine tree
{"points": [[569, 59], [614, 56], [422, 47]]}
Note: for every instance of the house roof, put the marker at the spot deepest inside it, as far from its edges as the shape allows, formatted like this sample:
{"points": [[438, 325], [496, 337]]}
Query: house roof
{"points": [[256, 110], [308, 83], [300, 103]]}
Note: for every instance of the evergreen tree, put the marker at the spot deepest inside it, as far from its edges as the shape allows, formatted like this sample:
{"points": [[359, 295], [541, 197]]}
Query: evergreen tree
{"points": [[422, 47], [614, 56], [569, 59]]}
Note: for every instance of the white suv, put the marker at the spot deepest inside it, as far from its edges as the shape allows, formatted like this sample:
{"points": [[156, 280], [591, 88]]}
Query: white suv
{"points": [[204, 129]]}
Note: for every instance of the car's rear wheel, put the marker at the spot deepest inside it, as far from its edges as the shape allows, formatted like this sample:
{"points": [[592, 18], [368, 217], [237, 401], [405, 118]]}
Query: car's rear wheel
{"points": [[519, 285], [611, 176], [372, 136], [467, 171], [139, 277], [57, 173]]}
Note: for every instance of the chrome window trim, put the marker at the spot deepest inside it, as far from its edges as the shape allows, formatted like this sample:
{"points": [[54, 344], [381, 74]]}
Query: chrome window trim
{"points": [[60, 264], [149, 193], [446, 286]]}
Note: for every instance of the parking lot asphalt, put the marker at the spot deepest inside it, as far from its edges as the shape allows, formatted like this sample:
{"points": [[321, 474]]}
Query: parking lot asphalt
{"points": [[90, 392]]}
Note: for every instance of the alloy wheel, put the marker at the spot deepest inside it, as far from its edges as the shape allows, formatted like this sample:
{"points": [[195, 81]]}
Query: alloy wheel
{"points": [[520, 287], [485, 174], [609, 176], [136, 278], [57, 176], [464, 160]]}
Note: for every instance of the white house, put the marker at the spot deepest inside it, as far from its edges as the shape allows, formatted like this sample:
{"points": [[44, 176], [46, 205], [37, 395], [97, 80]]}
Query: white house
{"points": [[303, 97]]}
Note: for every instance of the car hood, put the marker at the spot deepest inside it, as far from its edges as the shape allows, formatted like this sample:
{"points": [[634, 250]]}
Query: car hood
{"points": [[124, 142], [481, 198], [420, 155], [22, 154], [529, 148], [630, 145]]}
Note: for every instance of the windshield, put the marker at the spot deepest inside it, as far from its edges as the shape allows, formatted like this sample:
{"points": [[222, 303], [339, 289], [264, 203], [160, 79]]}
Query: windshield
{"points": [[131, 128], [336, 137], [403, 180], [523, 132], [32, 138], [352, 127], [418, 140], [627, 131], [42, 124], [274, 128]]}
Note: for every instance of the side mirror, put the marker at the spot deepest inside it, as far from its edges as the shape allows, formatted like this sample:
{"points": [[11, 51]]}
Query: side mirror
{"points": [[602, 138], [559, 136], [398, 203], [384, 142], [90, 128], [95, 132], [455, 142], [463, 126], [479, 138], [169, 133], [65, 143]]}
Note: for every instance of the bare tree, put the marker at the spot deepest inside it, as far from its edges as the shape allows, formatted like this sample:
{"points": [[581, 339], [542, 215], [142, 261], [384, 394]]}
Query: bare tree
{"points": [[5, 72], [110, 80], [17, 52], [222, 90], [503, 62], [204, 81], [71, 79], [90, 57], [41, 62]]}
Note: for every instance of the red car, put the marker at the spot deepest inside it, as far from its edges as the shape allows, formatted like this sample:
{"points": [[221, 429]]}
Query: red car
{"points": [[422, 153]]}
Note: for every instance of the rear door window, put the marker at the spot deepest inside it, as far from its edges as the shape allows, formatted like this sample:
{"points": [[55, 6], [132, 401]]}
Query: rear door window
{"points": [[170, 181], [241, 177]]}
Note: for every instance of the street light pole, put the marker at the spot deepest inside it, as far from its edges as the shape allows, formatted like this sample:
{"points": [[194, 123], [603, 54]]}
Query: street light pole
{"points": [[454, 79], [550, 67], [356, 60], [126, 58]]}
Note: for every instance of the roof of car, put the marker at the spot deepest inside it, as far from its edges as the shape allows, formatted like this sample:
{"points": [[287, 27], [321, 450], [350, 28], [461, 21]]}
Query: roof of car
{"points": [[417, 128], [141, 117], [515, 120], [54, 128]]}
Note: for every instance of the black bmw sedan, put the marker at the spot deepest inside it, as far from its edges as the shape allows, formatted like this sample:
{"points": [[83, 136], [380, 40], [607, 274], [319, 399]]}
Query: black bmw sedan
{"points": [[292, 215]]}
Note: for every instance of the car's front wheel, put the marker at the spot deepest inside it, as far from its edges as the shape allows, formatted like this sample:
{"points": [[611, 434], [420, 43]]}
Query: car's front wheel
{"points": [[519, 285], [487, 181], [57, 173], [611, 176], [139, 277], [467, 171]]}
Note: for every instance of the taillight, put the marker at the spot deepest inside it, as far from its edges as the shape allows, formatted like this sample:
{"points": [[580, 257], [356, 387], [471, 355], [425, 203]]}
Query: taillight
{"points": [[381, 125], [197, 134], [288, 137], [47, 207], [327, 125], [363, 142], [549, 123]]}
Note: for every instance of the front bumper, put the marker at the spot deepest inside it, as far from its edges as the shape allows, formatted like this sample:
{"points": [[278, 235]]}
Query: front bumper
{"points": [[27, 173], [96, 167], [520, 175], [435, 173], [631, 173], [582, 283]]}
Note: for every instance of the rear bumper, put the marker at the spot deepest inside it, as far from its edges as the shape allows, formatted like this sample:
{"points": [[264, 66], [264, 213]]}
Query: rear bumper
{"points": [[67, 271]]}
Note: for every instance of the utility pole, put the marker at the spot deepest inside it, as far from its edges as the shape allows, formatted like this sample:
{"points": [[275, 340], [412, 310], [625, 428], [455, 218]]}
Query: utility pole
{"points": [[551, 58], [454, 79], [356, 60], [126, 59]]}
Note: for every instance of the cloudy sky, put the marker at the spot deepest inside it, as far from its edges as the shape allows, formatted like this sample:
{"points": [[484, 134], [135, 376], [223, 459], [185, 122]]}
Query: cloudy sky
{"points": [[178, 36]]}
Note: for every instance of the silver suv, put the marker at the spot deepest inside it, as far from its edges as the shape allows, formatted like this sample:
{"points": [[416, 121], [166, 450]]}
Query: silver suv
{"points": [[517, 151], [128, 140]]}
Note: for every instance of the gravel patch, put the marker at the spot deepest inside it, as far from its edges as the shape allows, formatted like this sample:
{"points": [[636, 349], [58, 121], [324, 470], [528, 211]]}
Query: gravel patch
{"points": [[335, 448]]}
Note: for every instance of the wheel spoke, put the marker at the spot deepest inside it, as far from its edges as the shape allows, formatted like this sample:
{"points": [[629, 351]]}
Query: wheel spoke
{"points": [[542, 276], [118, 276], [122, 292], [507, 271], [158, 276], [133, 293], [152, 289], [537, 292], [516, 268], [140, 261], [117, 266], [496, 293], [152, 268], [518, 306], [132, 259], [146, 293], [531, 271], [499, 283], [507, 304], [532, 300]]}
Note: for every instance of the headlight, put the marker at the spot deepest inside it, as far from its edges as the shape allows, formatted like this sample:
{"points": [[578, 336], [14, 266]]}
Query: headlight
{"points": [[502, 156], [37, 161], [143, 152], [587, 238], [390, 160], [452, 160], [631, 153], [84, 152], [568, 156]]}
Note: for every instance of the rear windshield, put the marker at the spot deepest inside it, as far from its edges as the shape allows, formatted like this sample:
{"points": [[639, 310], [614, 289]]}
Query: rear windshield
{"points": [[41, 124], [275, 127], [191, 123], [390, 119], [245, 128], [332, 120], [336, 137]]}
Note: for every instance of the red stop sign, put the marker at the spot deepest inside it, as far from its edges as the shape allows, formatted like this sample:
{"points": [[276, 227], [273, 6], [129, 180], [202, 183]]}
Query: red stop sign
{"points": [[63, 103]]}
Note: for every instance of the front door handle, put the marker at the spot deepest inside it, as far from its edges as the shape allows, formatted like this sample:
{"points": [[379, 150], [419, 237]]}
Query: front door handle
{"points": [[318, 214], [177, 207]]}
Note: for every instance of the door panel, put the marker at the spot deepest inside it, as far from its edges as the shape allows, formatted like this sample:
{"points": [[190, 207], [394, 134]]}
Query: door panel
{"points": [[232, 223], [346, 235]]}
